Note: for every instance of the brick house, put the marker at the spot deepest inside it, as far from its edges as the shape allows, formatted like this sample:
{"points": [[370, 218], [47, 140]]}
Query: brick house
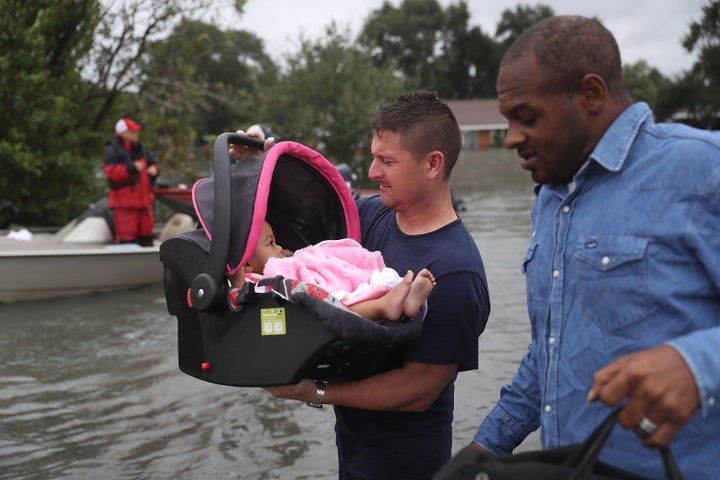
{"points": [[479, 120]]}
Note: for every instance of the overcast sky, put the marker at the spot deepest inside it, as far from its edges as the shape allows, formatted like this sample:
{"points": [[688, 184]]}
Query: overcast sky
{"points": [[649, 30]]}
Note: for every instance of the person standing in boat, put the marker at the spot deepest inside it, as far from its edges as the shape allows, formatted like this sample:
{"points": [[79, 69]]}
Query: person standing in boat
{"points": [[623, 266], [398, 424], [131, 171]]}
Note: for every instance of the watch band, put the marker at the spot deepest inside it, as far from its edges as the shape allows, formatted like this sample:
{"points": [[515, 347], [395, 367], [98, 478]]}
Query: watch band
{"points": [[319, 395]]}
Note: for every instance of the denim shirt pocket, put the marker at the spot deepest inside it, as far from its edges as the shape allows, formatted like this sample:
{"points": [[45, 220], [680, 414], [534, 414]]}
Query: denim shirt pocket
{"points": [[612, 277]]}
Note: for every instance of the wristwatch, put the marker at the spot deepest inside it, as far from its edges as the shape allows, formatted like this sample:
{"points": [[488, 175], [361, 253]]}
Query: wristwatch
{"points": [[319, 394]]}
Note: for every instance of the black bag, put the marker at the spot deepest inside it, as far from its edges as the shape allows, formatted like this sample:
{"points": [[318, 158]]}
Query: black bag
{"points": [[572, 462]]}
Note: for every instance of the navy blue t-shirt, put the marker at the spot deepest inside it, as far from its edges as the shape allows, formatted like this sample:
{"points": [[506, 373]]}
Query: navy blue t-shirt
{"points": [[408, 445]]}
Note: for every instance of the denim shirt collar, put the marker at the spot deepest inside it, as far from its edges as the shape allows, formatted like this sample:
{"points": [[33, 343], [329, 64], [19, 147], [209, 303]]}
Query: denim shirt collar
{"points": [[612, 149]]}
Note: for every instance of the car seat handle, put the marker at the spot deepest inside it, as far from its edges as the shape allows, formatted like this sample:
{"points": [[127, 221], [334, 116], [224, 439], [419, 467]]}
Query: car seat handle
{"points": [[206, 289]]}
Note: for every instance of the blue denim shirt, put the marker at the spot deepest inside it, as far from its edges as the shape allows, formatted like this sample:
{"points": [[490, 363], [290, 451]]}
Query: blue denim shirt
{"points": [[629, 259]]}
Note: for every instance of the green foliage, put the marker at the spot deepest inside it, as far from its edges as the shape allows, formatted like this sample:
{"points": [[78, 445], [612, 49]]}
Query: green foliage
{"points": [[513, 23], [644, 83], [704, 36], [699, 89], [433, 48], [328, 96], [76, 69], [201, 81], [43, 188], [406, 37], [46, 171], [468, 64]]}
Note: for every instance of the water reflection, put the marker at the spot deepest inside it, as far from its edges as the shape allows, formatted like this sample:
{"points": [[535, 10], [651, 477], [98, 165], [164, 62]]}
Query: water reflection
{"points": [[91, 389]]}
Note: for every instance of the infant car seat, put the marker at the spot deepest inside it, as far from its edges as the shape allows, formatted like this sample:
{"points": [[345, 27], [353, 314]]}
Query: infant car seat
{"points": [[268, 338]]}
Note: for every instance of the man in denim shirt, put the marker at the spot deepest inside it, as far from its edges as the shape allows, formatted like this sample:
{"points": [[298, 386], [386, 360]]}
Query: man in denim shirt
{"points": [[623, 269]]}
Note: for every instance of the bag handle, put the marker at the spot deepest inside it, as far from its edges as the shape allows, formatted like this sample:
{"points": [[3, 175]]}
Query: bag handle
{"points": [[205, 290], [584, 458]]}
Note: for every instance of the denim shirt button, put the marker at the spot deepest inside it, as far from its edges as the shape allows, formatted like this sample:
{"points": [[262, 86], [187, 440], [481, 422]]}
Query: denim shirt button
{"points": [[711, 402], [551, 340], [548, 409], [566, 209], [556, 273], [605, 260]]}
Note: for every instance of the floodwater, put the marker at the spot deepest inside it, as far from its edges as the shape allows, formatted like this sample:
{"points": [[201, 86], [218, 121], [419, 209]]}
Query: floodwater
{"points": [[89, 386]]}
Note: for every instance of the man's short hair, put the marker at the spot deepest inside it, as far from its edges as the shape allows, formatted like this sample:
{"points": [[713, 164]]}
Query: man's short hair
{"points": [[567, 48], [425, 124]]}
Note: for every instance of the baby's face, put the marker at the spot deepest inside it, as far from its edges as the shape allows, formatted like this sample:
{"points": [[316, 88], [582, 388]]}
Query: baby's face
{"points": [[266, 248]]}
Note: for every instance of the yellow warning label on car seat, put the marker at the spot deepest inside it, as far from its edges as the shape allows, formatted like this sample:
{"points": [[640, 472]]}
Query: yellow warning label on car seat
{"points": [[272, 321]]}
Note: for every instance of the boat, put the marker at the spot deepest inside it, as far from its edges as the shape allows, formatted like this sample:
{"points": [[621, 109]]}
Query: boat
{"points": [[178, 198], [79, 258]]}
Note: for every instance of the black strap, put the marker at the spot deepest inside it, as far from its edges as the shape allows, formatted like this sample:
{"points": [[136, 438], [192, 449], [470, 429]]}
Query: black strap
{"points": [[584, 458], [280, 287], [672, 472]]}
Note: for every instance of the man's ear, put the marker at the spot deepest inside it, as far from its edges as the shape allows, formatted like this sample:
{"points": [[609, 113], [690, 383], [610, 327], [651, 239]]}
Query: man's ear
{"points": [[435, 163], [593, 93]]}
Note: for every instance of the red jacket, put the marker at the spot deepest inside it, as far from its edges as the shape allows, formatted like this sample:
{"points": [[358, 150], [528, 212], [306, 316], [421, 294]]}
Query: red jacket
{"points": [[129, 188]]}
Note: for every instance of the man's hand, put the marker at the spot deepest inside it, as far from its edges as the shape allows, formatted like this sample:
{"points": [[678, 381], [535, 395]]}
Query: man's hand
{"points": [[659, 387], [304, 391], [243, 152]]}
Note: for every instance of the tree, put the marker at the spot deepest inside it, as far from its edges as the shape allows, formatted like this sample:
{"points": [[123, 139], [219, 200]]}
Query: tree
{"points": [[327, 97], [123, 38], [645, 83], [200, 82], [513, 23], [702, 82], [433, 48], [47, 170], [468, 64], [76, 67], [406, 38]]}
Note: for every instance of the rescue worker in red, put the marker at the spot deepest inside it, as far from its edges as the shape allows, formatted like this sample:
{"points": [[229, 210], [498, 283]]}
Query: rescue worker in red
{"points": [[131, 171]]}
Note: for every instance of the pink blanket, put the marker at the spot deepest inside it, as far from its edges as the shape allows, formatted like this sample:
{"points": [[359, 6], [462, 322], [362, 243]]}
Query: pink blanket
{"points": [[341, 267]]}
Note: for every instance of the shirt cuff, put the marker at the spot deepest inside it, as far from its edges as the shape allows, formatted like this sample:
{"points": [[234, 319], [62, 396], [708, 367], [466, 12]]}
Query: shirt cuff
{"points": [[499, 433], [700, 352]]}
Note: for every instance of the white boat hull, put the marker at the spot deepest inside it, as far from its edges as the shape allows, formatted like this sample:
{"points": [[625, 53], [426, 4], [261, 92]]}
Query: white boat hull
{"points": [[41, 274], [79, 259]]}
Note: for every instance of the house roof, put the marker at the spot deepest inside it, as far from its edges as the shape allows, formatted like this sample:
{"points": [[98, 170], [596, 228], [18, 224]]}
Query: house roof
{"points": [[478, 114]]}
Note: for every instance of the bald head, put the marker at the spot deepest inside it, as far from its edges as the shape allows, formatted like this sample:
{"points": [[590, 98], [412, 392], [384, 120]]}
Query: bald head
{"points": [[569, 47]]}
